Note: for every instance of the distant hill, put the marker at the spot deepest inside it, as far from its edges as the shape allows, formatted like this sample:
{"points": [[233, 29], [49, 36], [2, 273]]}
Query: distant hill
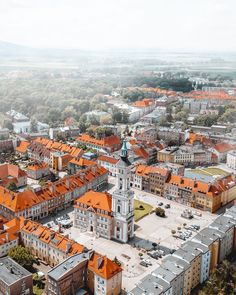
{"points": [[14, 50]]}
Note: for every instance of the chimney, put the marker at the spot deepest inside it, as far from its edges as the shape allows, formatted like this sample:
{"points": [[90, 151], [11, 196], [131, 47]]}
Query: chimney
{"points": [[68, 247], [99, 262], [68, 182], [52, 188], [7, 237]]}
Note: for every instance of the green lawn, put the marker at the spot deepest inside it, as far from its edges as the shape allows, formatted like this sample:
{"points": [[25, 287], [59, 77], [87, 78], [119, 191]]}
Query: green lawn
{"points": [[138, 213]]}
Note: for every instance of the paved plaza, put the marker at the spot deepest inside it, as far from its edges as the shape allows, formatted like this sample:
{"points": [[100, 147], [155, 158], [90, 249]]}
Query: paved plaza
{"points": [[150, 229]]}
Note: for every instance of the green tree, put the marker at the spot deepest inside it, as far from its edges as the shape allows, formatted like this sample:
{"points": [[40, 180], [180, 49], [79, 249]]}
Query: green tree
{"points": [[33, 124], [160, 212], [22, 256], [7, 124], [12, 186]]}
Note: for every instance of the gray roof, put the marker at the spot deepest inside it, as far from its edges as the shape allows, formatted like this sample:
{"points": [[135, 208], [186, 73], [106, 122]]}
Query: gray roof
{"points": [[151, 285], [11, 272], [207, 236], [231, 212], [164, 273], [187, 253], [61, 269], [174, 264], [223, 223], [199, 246]]}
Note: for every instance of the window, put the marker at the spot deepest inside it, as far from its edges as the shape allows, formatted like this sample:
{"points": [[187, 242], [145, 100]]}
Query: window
{"points": [[118, 208]]}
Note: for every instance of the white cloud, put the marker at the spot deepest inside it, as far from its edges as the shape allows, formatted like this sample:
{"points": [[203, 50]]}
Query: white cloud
{"points": [[190, 24]]}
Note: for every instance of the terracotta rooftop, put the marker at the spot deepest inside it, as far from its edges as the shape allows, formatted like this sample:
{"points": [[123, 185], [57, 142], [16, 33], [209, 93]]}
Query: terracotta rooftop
{"points": [[37, 166], [143, 170], [223, 147], [22, 148], [103, 266], [51, 237], [108, 159], [96, 200], [105, 142]]}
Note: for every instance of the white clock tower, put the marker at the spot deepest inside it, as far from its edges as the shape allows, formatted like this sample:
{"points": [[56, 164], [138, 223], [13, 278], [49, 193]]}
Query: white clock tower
{"points": [[123, 199]]}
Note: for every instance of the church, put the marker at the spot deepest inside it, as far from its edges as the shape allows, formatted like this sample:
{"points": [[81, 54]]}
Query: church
{"points": [[109, 216]]}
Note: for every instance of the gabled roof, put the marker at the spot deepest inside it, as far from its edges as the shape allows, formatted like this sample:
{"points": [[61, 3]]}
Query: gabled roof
{"points": [[143, 170], [140, 151], [7, 170], [108, 159], [55, 239], [37, 166], [82, 162], [51, 145], [96, 200], [22, 148], [223, 147], [103, 266], [105, 142]]}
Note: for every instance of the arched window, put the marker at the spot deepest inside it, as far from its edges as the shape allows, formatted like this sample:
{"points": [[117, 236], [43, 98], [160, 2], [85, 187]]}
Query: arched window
{"points": [[118, 208]]}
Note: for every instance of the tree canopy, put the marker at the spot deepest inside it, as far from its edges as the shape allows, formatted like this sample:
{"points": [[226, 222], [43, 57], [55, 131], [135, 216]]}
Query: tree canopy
{"points": [[22, 256]]}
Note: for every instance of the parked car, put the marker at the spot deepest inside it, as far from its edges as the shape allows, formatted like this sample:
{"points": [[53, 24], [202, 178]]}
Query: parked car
{"points": [[147, 261], [143, 263], [160, 204], [167, 206], [197, 227]]}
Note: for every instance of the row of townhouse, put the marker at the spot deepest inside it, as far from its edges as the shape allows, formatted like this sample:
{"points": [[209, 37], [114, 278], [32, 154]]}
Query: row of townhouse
{"points": [[99, 274], [191, 265], [185, 155], [194, 193], [201, 195], [55, 154], [75, 268], [150, 178], [105, 145], [52, 197]]}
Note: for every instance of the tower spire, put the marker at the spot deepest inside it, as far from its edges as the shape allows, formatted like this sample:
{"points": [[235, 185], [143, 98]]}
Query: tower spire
{"points": [[124, 150]]}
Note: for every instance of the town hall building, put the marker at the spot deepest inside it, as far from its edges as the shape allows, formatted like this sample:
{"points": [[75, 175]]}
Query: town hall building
{"points": [[109, 216]]}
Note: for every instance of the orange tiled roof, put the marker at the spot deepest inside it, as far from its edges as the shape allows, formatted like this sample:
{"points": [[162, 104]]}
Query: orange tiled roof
{"points": [[143, 170], [140, 151], [105, 142], [82, 162], [37, 166], [108, 159], [144, 103], [210, 189], [11, 231], [7, 170], [223, 147], [96, 200], [22, 200], [58, 146], [103, 266], [51, 237], [22, 148]]}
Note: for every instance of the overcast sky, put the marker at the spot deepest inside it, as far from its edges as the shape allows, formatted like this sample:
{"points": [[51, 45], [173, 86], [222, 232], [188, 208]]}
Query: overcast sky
{"points": [[167, 24]]}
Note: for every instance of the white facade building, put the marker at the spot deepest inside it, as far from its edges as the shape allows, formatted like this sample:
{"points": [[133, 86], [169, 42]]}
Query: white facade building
{"points": [[231, 160], [123, 199]]}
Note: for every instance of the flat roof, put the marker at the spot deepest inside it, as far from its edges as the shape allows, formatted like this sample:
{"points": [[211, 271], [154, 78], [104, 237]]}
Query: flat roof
{"points": [[61, 269], [151, 285], [207, 236], [11, 272]]}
